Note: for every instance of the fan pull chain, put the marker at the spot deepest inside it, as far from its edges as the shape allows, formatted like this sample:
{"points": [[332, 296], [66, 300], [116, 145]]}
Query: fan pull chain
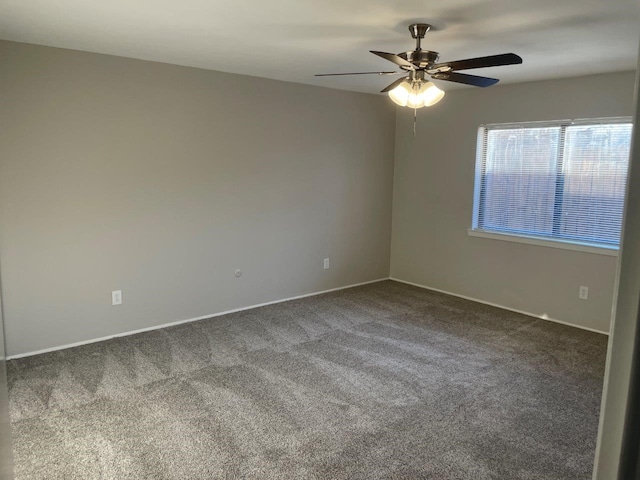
{"points": [[415, 120]]}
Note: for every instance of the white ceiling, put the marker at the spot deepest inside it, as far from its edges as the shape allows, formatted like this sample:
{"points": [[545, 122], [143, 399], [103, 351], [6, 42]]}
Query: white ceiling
{"points": [[293, 39]]}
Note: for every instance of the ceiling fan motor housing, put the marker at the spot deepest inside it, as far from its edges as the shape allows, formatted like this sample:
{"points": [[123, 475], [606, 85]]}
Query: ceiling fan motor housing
{"points": [[419, 58]]}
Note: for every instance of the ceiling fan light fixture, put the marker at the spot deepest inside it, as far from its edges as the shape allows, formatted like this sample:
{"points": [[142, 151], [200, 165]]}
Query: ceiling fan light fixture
{"points": [[431, 94], [416, 95], [400, 94]]}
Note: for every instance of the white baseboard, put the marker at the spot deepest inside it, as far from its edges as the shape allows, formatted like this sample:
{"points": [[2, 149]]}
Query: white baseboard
{"points": [[542, 317], [188, 320], [226, 312]]}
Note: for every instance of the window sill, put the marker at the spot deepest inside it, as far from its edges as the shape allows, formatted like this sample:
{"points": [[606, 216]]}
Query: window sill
{"points": [[541, 242]]}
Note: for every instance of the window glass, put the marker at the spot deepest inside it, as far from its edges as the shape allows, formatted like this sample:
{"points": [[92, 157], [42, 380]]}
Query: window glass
{"points": [[594, 176], [558, 180], [519, 180]]}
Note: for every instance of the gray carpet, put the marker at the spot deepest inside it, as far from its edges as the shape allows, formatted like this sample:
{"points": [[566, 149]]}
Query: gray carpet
{"points": [[380, 381]]}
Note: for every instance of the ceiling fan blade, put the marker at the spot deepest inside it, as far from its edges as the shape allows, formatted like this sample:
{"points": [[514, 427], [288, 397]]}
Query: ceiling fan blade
{"points": [[356, 73], [481, 62], [474, 80], [393, 85], [392, 57]]}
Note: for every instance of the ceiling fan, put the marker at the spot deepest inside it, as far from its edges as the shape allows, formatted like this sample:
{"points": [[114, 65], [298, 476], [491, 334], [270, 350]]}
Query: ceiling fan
{"points": [[414, 90]]}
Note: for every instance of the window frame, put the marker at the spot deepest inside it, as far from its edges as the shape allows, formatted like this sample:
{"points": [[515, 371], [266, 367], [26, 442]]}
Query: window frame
{"points": [[521, 237]]}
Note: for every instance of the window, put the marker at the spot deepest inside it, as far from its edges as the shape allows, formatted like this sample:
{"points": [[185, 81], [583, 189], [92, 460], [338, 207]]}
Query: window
{"points": [[562, 181]]}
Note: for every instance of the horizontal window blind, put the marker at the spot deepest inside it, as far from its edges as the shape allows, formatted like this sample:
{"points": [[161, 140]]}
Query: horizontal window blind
{"points": [[564, 180]]}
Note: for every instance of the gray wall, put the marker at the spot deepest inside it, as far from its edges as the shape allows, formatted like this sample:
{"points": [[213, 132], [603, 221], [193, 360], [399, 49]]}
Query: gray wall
{"points": [[433, 202], [162, 180], [624, 328]]}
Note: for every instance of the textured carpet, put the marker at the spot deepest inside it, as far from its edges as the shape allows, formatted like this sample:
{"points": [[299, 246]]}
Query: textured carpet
{"points": [[380, 381]]}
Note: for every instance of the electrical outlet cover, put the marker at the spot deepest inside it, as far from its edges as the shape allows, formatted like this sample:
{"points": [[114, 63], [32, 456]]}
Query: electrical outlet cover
{"points": [[116, 297], [583, 293]]}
